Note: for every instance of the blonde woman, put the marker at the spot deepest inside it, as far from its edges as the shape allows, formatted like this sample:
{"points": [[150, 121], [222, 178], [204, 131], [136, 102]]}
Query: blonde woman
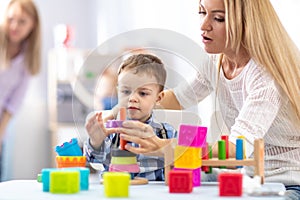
{"points": [[19, 57], [255, 73]]}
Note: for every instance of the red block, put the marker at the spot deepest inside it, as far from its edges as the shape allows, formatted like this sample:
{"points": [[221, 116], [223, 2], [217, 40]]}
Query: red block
{"points": [[180, 181], [230, 184]]}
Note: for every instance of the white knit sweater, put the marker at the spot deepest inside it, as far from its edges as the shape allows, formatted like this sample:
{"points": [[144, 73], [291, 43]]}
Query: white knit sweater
{"points": [[252, 105]]}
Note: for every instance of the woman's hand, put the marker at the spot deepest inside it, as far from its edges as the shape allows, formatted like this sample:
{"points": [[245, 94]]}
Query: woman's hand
{"points": [[96, 130], [142, 134]]}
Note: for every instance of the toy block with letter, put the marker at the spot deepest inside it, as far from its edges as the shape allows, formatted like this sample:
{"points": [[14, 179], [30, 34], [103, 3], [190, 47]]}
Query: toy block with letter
{"points": [[230, 184], [192, 136], [180, 181]]}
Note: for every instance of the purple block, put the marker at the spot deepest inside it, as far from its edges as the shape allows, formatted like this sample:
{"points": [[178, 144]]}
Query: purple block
{"points": [[192, 136], [114, 123], [196, 175]]}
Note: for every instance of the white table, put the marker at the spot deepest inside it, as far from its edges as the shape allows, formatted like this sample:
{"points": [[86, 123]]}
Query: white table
{"points": [[32, 190]]}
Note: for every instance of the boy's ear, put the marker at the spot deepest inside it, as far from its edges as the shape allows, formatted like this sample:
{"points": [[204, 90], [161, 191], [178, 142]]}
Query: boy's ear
{"points": [[160, 96]]}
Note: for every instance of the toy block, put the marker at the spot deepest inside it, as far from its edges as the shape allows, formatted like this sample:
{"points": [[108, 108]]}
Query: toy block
{"points": [[122, 118], [113, 123], [187, 157], [133, 168], [70, 148], [64, 182], [225, 138], [84, 176], [230, 184], [46, 178], [123, 160], [193, 136], [180, 181], [239, 152], [70, 161], [222, 151], [244, 146], [121, 153], [116, 184], [196, 173]]}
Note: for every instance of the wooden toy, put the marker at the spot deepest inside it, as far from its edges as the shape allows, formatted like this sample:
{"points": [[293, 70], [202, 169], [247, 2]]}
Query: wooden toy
{"points": [[239, 153], [122, 118], [180, 181], [230, 184], [121, 159], [116, 184], [222, 151], [257, 161], [225, 138], [65, 182]]}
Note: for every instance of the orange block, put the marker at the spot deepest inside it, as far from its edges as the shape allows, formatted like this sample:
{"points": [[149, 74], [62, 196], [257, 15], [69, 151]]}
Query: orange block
{"points": [[187, 157], [70, 161]]}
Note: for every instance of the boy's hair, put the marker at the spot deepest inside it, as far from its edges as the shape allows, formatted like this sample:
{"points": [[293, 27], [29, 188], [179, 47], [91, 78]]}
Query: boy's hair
{"points": [[147, 64]]}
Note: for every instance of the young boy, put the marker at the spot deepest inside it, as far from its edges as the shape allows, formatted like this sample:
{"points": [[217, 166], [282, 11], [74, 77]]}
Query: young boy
{"points": [[141, 80]]}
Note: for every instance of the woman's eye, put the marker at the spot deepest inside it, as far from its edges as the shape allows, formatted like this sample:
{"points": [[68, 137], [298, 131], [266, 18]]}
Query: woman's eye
{"points": [[219, 19]]}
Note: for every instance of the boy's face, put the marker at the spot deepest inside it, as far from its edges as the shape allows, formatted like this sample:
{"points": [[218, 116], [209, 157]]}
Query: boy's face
{"points": [[138, 93]]}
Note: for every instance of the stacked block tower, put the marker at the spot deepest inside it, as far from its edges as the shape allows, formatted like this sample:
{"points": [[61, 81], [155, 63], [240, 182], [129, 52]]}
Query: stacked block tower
{"points": [[186, 173]]}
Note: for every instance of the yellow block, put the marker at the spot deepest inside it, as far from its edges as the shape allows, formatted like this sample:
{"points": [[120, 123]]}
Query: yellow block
{"points": [[123, 160], [64, 182], [187, 157], [116, 184]]}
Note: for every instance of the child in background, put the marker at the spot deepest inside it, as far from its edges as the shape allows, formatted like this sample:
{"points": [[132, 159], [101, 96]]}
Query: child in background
{"points": [[141, 80]]}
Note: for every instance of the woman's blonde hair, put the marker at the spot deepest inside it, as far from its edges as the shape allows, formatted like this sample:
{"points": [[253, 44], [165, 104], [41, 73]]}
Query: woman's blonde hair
{"points": [[32, 43], [255, 26]]}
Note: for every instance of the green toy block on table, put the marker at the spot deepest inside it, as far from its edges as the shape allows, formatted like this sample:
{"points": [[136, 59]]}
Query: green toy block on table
{"points": [[116, 184], [64, 182]]}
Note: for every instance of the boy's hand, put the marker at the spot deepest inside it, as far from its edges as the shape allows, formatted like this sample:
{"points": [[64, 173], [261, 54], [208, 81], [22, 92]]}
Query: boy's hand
{"points": [[96, 130]]}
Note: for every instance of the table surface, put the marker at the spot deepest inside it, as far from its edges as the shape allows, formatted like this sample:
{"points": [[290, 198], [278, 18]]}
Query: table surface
{"points": [[31, 189]]}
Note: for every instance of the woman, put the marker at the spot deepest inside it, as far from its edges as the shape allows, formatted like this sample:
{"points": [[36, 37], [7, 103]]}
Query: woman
{"points": [[20, 47], [255, 75]]}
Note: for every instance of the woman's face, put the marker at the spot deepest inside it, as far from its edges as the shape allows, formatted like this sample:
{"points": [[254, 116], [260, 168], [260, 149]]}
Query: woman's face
{"points": [[213, 29], [19, 24]]}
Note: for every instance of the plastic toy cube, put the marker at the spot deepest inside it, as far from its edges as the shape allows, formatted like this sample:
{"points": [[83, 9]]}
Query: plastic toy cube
{"points": [[230, 184], [180, 181], [196, 175], [70, 148], [116, 184], [84, 176], [64, 182], [192, 136], [187, 157]]}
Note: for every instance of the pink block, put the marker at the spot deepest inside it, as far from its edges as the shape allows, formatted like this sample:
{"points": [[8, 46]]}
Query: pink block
{"points": [[192, 136], [133, 168], [196, 175]]}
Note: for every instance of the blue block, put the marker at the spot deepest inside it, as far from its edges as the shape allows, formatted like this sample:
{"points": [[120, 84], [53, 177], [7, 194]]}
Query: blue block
{"points": [[46, 178], [69, 148]]}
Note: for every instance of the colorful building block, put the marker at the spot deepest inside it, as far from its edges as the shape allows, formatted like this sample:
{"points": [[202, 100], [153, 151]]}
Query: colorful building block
{"points": [[196, 173], [46, 178], [230, 184], [180, 181], [70, 161], [116, 184], [64, 182], [113, 123], [187, 157], [239, 152], [193, 136], [123, 160], [225, 138], [133, 168], [84, 176], [70, 148]]}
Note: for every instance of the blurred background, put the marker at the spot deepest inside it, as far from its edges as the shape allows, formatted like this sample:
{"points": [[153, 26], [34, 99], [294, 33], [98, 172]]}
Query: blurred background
{"points": [[71, 30]]}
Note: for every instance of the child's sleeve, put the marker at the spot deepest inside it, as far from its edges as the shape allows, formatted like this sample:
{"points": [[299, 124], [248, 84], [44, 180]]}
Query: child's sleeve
{"points": [[97, 155]]}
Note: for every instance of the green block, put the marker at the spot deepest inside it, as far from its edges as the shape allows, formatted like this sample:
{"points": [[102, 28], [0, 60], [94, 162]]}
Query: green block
{"points": [[116, 184], [64, 182], [123, 160]]}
